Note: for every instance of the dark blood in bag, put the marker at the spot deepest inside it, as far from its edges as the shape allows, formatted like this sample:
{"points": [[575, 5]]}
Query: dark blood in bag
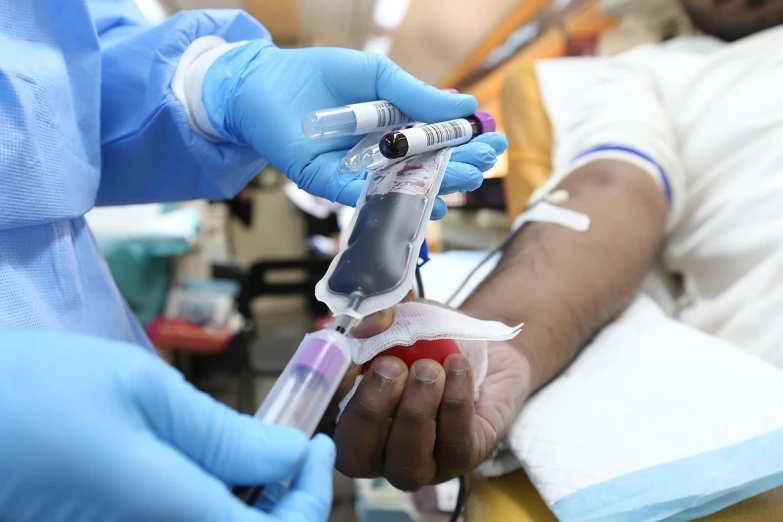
{"points": [[380, 245]]}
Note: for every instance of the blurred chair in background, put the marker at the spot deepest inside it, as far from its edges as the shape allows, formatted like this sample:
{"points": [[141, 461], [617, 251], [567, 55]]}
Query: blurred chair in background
{"points": [[139, 243]]}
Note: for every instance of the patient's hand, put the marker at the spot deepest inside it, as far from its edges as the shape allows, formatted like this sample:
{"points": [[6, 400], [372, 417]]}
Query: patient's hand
{"points": [[420, 426]]}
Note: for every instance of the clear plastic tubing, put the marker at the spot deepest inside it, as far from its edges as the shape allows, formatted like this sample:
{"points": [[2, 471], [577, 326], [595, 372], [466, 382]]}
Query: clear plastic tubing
{"points": [[352, 161], [372, 159], [435, 136], [354, 120], [300, 397]]}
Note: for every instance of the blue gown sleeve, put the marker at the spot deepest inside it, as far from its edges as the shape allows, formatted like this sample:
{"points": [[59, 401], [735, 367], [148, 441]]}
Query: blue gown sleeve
{"points": [[149, 151]]}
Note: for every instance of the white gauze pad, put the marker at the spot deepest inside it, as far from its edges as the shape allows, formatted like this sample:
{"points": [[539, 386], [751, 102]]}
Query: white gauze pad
{"points": [[415, 321]]}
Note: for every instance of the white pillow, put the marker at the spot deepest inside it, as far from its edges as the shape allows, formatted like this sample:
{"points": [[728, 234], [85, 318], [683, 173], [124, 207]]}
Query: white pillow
{"points": [[654, 421]]}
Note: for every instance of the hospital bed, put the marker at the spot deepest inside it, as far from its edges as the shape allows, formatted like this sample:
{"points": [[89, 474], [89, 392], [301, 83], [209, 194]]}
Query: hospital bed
{"points": [[513, 497]]}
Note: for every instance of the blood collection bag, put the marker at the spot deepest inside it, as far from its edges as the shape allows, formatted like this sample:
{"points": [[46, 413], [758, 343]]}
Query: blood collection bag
{"points": [[376, 264]]}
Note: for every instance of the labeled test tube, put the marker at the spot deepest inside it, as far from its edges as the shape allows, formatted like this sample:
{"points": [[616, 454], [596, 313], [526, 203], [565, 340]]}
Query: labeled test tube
{"points": [[418, 140], [301, 396], [354, 120]]}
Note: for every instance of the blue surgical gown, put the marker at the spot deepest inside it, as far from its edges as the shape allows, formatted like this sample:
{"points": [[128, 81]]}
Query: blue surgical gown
{"points": [[87, 117]]}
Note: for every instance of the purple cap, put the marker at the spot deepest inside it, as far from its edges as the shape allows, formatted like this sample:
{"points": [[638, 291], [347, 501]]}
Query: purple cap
{"points": [[485, 121], [323, 356], [451, 91]]}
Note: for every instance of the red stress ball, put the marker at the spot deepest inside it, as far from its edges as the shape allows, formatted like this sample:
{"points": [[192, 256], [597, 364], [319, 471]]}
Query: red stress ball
{"points": [[437, 350]]}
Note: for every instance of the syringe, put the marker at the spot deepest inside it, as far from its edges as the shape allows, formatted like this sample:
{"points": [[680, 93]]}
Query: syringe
{"points": [[303, 392]]}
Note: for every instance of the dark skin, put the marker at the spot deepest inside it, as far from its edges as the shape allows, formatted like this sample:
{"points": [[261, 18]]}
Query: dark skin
{"points": [[731, 20], [420, 425]]}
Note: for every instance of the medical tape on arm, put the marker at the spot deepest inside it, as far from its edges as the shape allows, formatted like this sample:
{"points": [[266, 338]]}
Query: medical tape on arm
{"points": [[615, 152], [547, 211], [544, 203]]}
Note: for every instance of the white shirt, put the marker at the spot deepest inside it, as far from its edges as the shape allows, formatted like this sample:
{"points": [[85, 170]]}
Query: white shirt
{"points": [[706, 119]]}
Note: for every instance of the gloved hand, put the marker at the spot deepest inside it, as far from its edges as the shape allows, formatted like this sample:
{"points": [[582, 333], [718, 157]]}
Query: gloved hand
{"points": [[98, 430], [258, 94]]}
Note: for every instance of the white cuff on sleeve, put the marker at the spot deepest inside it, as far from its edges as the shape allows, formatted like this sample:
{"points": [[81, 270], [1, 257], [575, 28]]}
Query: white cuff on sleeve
{"points": [[188, 81]]}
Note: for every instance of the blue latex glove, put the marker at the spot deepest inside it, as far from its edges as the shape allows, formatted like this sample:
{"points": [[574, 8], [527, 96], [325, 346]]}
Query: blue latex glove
{"points": [[258, 94], [104, 431]]}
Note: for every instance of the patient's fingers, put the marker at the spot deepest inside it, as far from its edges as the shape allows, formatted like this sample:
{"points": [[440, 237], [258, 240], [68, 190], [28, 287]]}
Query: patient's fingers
{"points": [[364, 426], [374, 324], [455, 444], [410, 463]]}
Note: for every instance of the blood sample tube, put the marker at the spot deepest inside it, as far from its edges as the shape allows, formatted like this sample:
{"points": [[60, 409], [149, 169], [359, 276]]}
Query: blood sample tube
{"points": [[426, 138]]}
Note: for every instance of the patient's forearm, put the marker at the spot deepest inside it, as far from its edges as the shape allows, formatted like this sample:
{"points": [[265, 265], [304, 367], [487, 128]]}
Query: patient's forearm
{"points": [[566, 285]]}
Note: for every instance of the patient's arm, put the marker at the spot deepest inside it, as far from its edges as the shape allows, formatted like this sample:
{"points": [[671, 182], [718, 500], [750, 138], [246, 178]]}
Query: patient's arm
{"points": [[420, 425], [566, 285]]}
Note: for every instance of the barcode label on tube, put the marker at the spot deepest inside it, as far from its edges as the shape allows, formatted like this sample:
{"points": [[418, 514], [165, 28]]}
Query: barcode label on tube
{"points": [[373, 116], [437, 136], [440, 132], [388, 115]]}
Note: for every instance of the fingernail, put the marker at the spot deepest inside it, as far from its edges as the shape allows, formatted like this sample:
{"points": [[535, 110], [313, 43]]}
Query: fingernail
{"points": [[458, 364], [425, 373], [389, 369]]}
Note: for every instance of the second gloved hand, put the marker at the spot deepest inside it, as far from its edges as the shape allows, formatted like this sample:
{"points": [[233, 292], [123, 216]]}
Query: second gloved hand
{"points": [[98, 430], [257, 94]]}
